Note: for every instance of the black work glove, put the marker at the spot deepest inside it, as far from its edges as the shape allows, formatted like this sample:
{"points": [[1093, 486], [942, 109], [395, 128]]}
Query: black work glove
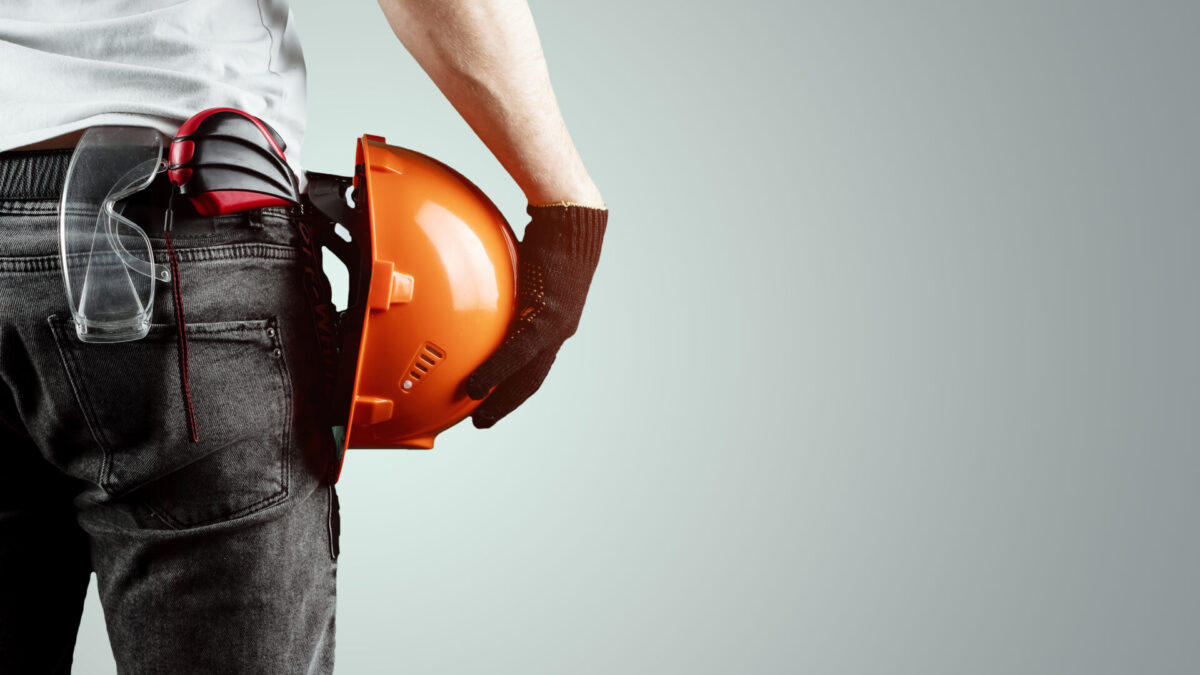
{"points": [[555, 263]]}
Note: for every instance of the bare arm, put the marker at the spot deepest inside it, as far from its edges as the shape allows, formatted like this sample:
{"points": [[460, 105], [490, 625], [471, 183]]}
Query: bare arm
{"points": [[485, 56]]}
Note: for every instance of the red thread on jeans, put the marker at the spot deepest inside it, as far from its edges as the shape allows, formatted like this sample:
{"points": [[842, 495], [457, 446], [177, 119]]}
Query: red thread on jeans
{"points": [[181, 329]]}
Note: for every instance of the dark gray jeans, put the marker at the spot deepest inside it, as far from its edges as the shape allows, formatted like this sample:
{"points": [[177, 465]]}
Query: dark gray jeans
{"points": [[212, 557]]}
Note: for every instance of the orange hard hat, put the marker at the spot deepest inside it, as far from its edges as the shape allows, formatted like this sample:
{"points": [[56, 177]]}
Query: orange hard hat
{"points": [[432, 266]]}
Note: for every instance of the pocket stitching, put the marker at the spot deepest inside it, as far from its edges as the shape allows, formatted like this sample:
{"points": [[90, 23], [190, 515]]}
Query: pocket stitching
{"points": [[75, 378], [285, 381], [213, 328]]}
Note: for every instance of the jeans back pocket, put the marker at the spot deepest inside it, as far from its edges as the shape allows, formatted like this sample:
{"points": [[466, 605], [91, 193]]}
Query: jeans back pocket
{"points": [[131, 396]]}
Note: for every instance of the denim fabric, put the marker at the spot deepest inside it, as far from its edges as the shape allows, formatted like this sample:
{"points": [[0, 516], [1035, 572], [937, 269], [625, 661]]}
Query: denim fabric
{"points": [[212, 557]]}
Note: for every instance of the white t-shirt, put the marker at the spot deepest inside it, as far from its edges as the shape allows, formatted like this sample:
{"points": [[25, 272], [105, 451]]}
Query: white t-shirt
{"points": [[70, 64]]}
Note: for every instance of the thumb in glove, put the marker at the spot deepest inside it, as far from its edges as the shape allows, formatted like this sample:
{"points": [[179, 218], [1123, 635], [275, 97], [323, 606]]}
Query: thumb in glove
{"points": [[556, 260]]}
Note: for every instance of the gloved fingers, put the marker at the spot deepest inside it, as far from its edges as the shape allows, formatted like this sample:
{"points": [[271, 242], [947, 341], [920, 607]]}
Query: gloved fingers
{"points": [[508, 359], [514, 390]]}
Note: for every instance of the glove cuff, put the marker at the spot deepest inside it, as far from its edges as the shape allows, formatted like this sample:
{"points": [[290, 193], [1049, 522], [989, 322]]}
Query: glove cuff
{"points": [[575, 230]]}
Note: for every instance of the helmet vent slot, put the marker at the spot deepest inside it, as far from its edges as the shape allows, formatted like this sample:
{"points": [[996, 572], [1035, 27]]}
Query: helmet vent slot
{"points": [[426, 359]]}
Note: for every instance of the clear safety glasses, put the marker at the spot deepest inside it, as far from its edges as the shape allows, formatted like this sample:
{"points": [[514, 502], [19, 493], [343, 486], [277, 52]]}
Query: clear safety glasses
{"points": [[107, 259]]}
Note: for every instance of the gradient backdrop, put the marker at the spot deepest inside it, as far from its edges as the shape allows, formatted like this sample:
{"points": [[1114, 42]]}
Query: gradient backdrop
{"points": [[891, 366]]}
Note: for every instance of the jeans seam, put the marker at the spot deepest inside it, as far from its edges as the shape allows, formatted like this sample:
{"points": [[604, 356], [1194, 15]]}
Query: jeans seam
{"points": [[75, 377], [285, 376], [333, 516], [256, 251], [329, 519], [247, 510], [163, 516], [25, 207]]}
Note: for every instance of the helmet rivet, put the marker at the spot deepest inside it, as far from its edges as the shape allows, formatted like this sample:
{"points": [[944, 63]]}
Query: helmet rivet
{"points": [[407, 384]]}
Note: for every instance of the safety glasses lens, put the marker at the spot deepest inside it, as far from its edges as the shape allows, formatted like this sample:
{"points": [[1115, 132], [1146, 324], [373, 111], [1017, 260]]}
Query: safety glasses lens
{"points": [[107, 259]]}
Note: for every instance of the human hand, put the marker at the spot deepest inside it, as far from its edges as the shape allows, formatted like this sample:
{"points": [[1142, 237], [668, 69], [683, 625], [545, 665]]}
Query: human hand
{"points": [[555, 263]]}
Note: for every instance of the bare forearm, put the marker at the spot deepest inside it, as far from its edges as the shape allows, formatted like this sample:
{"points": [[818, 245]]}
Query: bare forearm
{"points": [[485, 56]]}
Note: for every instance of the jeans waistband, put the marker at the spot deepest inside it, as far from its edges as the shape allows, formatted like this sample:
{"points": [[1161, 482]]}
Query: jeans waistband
{"points": [[31, 183], [33, 174], [38, 176]]}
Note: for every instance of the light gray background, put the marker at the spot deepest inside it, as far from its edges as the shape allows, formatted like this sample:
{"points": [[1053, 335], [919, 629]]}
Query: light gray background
{"points": [[892, 363]]}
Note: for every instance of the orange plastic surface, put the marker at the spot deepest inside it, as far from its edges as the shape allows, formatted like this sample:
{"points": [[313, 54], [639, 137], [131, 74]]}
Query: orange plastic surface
{"points": [[441, 295]]}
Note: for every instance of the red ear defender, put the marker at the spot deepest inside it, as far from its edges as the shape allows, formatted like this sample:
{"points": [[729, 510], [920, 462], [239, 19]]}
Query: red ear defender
{"points": [[225, 160]]}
